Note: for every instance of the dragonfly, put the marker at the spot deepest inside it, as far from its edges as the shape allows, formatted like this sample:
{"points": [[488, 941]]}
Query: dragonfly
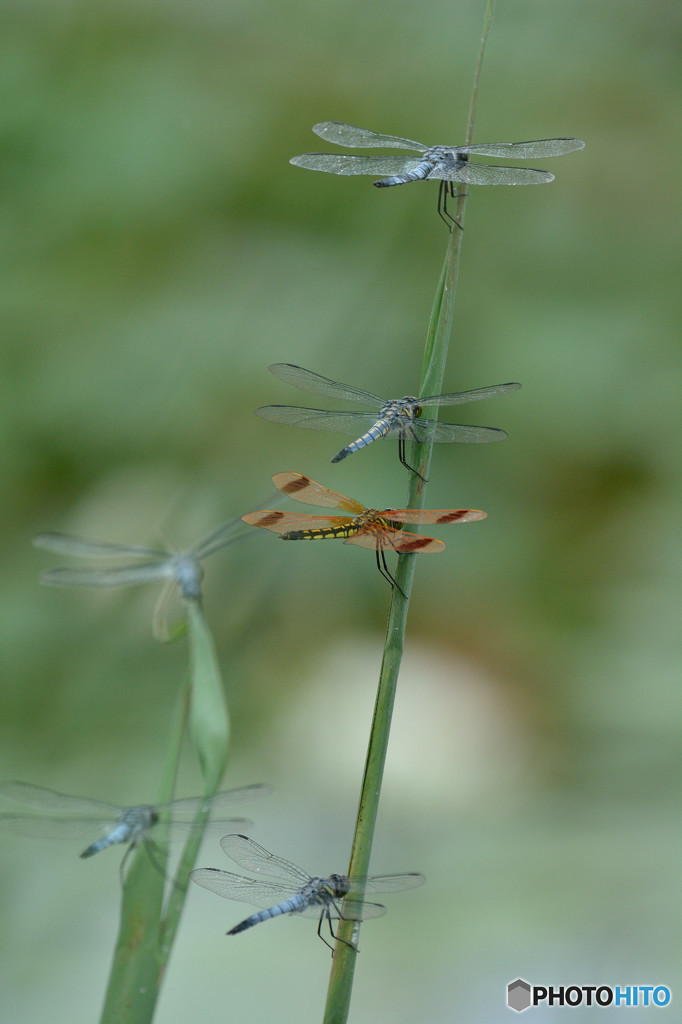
{"points": [[366, 527], [447, 164], [138, 565], [338, 897], [398, 417], [60, 816]]}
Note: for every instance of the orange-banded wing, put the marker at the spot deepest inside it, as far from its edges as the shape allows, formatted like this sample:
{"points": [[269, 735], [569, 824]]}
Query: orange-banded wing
{"points": [[302, 488], [385, 538], [283, 522], [380, 534], [440, 516]]}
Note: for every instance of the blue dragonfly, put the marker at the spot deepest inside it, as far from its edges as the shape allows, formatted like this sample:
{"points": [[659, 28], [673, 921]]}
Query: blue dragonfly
{"points": [[294, 891], [182, 570], [60, 816], [446, 164], [400, 417]]}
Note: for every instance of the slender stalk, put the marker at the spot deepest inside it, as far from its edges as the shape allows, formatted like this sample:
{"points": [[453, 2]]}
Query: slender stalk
{"points": [[210, 730], [147, 929], [135, 972], [433, 371]]}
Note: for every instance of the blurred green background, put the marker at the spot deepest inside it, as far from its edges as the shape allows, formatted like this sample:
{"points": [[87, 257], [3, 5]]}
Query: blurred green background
{"points": [[158, 253]]}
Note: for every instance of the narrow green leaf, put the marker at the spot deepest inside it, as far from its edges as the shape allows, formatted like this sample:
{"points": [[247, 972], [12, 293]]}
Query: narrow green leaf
{"points": [[135, 975], [209, 722]]}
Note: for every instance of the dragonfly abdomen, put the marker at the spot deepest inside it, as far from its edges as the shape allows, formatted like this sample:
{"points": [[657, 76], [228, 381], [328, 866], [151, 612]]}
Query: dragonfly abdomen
{"points": [[291, 906], [326, 533], [418, 173], [101, 844], [379, 429]]}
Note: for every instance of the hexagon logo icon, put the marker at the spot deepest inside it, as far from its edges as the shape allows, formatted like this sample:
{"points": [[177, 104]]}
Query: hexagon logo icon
{"points": [[518, 995]]}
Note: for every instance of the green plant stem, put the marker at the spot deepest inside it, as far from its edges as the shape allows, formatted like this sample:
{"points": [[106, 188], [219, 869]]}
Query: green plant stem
{"points": [[210, 730], [136, 969], [433, 371], [147, 928]]}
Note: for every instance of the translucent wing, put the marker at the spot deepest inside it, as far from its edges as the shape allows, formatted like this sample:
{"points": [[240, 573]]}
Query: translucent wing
{"points": [[386, 883], [187, 807], [284, 522], [64, 544], [49, 827], [252, 857], [351, 423], [524, 150], [121, 576], [440, 516], [302, 488], [486, 174], [341, 163], [385, 538], [318, 385], [48, 801], [245, 890], [430, 430], [174, 830], [352, 910], [216, 539], [346, 135], [477, 395]]}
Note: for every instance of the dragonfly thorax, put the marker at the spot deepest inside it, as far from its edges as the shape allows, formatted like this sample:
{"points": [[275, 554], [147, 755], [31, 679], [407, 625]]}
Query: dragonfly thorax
{"points": [[397, 409], [138, 819], [188, 573], [325, 890]]}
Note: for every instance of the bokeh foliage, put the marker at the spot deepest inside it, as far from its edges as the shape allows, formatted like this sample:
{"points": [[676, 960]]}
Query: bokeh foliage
{"points": [[158, 252]]}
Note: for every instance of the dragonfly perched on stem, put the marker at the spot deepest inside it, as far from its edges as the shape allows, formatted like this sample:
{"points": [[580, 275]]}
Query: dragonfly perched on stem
{"points": [[338, 897], [446, 164], [60, 816], [380, 531], [138, 565], [398, 417]]}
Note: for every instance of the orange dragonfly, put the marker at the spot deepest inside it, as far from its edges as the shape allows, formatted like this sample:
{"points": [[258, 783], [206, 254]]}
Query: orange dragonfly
{"points": [[380, 531]]}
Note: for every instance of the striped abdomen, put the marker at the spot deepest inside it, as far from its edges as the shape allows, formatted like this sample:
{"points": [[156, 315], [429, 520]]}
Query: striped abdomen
{"points": [[348, 529], [379, 429], [292, 906], [421, 171]]}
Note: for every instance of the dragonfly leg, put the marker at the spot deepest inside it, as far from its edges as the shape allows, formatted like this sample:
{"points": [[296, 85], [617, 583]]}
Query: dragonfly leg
{"points": [[121, 870], [336, 937], [150, 846], [383, 569], [403, 458], [445, 189]]}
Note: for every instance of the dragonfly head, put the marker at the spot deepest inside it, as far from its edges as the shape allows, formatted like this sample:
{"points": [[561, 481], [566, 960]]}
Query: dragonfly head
{"points": [[339, 885], [416, 409]]}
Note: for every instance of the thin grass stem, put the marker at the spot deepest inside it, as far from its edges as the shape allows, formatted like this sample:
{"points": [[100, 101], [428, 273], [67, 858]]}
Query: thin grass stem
{"points": [[433, 371]]}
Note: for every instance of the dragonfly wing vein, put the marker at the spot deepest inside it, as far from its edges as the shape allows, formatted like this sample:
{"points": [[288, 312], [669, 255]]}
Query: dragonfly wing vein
{"points": [[316, 384], [245, 890], [48, 800], [340, 422], [252, 857], [538, 149], [341, 163], [487, 174], [430, 430], [122, 576], [461, 397], [348, 135], [65, 544]]}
